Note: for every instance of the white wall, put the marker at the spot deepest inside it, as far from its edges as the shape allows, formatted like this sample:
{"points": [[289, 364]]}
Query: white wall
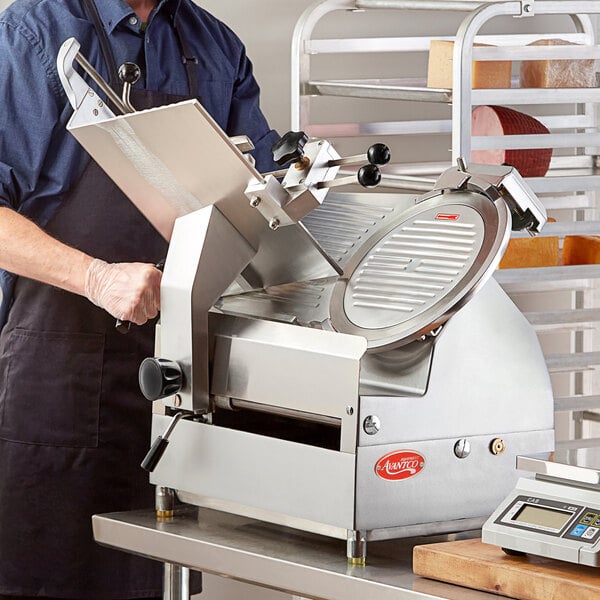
{"points": [[266, 28]]}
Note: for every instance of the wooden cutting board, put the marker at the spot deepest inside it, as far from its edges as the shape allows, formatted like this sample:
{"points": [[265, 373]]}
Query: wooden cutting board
{"points": [[472, 564]]}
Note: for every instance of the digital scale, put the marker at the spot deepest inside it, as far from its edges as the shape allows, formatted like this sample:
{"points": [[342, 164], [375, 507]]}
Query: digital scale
{"points": [[555, 515]]}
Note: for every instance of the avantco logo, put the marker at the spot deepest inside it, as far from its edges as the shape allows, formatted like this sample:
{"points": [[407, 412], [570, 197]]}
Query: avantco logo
{"points": [[400, 464]]}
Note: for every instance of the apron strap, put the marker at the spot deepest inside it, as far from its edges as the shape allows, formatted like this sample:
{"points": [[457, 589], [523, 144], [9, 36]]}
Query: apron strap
{"points": [[91, 12], [187, 57]]}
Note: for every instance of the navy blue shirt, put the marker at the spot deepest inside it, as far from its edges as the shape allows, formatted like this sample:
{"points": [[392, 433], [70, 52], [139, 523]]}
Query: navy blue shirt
{"points": [[39, 160]]}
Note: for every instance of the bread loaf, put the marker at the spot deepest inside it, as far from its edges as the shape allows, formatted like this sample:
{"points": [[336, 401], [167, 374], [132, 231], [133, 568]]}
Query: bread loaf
{"points": [[499, 120], [486, 74], [581, 250], [531, 252], [557, 73]]}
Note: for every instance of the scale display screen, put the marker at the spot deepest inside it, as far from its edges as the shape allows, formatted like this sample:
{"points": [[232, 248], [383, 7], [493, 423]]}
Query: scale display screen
{"points": [[542, 516]]}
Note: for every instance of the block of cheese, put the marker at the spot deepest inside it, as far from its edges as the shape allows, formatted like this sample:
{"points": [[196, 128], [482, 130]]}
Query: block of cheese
{"points": [[499, 120], [557, 73], [581, 250], [522, 253], [486, 74]]}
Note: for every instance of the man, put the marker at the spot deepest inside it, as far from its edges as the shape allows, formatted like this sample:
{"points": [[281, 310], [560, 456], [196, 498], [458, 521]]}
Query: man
{"points": [[76, 254]]}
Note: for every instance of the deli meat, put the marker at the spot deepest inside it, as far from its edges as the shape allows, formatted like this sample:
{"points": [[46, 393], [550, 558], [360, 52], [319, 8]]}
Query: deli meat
{"points": [[498, 121]]}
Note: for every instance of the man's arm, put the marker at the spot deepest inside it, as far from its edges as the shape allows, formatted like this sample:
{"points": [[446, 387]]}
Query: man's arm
{"points": [[32, 138], [128, 291]]}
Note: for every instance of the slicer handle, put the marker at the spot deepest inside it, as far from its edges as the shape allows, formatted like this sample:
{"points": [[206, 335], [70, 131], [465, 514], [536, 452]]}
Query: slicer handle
{"points": [[154, 454], [160, 445], [290, 147], [120, 325]]}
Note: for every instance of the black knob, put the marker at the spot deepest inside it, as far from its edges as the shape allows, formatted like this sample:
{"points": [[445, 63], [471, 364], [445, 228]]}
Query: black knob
{"points": [[129, 73], [289, 147], [159, 378], [379, 154], [369, 176]]}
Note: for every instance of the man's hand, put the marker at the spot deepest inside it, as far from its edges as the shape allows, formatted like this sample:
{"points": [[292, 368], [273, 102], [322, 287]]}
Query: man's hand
{"points": [[128, 291]]}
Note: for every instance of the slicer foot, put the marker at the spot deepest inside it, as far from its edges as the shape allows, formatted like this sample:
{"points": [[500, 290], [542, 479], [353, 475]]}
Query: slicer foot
{"points": [[165, 502], [356, 548]]}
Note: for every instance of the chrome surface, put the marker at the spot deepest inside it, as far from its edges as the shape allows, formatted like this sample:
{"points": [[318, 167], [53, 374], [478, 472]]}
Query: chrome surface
{"points": [[559, 471], [300, 415], [87, 105], [96, 77], [205, 255], [283, 481], [267, 363], [415, 285], [176, 584], [413, 267], [343, 223], [273, 557]]}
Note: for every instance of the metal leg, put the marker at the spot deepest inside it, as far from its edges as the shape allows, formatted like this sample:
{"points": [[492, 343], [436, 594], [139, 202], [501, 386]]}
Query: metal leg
{"points": [[356, 549], [165, 502], [176, 585]]}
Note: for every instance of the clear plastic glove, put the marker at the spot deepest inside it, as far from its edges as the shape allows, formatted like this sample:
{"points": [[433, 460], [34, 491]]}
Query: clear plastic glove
{"points": [[128, 291]]}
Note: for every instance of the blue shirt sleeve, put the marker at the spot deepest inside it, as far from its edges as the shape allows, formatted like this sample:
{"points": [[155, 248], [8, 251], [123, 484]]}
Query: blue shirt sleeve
{"points": [[38, 158], [246, 116], [28, 116]]}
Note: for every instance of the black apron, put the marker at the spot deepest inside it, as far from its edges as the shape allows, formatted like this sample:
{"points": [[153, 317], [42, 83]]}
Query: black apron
{"points": [[73, 423]]}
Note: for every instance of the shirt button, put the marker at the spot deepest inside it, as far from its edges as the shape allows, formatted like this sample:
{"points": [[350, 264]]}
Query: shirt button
{"points": [[133, 20]]}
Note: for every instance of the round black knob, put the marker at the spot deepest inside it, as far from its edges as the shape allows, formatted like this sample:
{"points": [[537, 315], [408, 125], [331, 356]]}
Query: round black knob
{"points": [[379, 154], [159, 378], [369, 176], [129, 73], [289, 147]]}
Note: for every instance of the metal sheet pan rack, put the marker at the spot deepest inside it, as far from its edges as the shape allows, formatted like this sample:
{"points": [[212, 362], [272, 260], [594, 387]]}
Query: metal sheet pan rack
{"points": [[569, 190]]}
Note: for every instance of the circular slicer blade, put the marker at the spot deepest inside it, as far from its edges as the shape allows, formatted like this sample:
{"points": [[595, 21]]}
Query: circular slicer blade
{"points": [[409, 278]]}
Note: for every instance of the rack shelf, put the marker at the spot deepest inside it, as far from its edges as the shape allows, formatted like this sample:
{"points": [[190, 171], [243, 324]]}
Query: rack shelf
{"points": [[570, 186], [547, 279], [415, 90]]}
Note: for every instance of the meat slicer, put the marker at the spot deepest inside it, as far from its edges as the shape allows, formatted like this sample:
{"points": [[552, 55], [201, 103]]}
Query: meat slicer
{"points": [[341, 363]]}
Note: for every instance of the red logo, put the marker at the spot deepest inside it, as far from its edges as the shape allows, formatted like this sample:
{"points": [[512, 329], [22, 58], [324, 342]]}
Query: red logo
{"points": [[400, 464], [446, 217]]}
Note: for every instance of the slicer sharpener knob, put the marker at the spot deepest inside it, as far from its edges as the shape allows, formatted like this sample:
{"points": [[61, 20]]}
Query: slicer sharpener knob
{"points": [[369, 176], [379, 154], [129, 73], [160, 378], [290, 147]]}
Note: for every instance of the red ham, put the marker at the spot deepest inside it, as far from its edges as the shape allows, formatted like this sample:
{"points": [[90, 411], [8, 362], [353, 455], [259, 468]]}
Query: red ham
{"points": [[499, 120]]}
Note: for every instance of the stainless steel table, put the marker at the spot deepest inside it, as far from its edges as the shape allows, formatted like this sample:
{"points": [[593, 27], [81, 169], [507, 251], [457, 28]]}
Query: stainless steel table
{"points": [[270, 556]]}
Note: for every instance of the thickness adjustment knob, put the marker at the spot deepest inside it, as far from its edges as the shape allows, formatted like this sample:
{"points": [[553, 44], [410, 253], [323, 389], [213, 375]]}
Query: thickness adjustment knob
{"points": [[160, 378], [290, 147]]}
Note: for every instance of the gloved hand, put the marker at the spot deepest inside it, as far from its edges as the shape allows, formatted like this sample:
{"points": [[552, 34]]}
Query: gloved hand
{"points": [[128, 291]]}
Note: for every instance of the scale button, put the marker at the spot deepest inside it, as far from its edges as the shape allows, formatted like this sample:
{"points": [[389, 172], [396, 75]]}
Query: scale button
{"points": [[588, 518], [578, 530], [590, 533]]}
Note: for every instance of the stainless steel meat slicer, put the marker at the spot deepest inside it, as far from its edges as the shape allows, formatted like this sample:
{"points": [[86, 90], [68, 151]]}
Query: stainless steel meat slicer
{"points": [[342, 363]]}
